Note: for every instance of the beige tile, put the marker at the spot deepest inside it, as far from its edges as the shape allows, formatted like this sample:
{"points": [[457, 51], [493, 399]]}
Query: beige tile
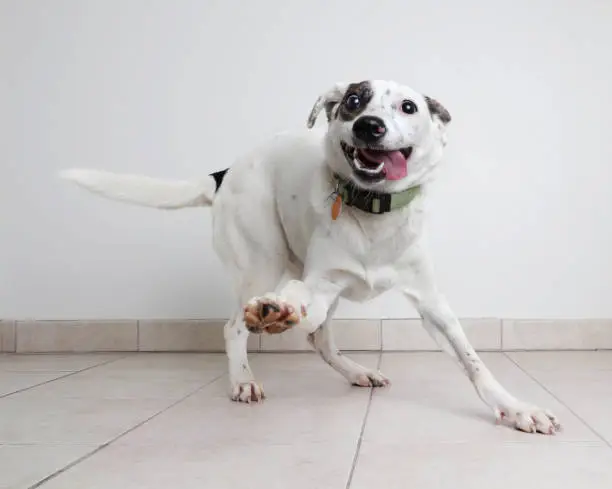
{"points": [[140, 376], [38, 419], [474, 465], [76, 336], [67, 362], [170, 365], [305, 377], [292, 340], [185, 335], [296, 377], [350, 334], [409, 335], [357, 334], [215, 421], [581, 380], [7, 335], [11, 382], [252, 465], [581, 364], [431, 400], [557, 334], [22, 466]]}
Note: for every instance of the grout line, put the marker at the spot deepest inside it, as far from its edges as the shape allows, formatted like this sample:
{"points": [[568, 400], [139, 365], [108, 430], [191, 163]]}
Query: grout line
{"points": [[15, 333], [126, 432], [69, 374], [362, 431], [558, 399]]}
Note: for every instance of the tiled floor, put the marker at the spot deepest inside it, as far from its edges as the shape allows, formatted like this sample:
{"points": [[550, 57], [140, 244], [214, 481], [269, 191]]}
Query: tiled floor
{"points": [[163, 421]]}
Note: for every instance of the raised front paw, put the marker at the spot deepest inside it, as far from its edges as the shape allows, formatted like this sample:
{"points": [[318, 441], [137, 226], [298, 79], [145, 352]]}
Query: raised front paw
{"points": [[247, 392], [270, 315], [528, 418]]}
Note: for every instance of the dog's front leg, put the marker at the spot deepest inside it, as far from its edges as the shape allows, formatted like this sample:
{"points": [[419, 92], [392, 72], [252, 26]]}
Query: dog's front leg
{"points": [[442, 324], [305, 303], [242, 382]]}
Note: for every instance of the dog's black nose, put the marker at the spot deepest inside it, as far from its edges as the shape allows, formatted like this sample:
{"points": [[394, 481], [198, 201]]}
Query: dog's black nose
{"points": [[369, 129]]}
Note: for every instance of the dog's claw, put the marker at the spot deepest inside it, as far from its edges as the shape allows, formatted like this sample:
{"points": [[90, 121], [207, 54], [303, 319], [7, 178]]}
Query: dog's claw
{"points": [[371, 379], [529, 420], [248, 392]]}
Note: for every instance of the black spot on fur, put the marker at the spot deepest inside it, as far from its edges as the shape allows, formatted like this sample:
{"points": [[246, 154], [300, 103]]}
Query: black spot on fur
{"points": [[436, 109], [365, 93], [219, 176]]}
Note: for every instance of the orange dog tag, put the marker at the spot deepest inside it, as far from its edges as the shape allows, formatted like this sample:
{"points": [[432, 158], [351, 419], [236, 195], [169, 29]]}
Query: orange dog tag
{"points": [[336, 207]]}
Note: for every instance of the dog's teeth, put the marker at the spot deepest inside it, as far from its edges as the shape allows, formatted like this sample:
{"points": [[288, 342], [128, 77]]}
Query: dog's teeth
{"points": [[371, 171]]}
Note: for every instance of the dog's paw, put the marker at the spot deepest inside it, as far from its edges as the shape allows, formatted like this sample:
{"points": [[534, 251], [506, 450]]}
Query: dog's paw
{"points": [[527, 418], [270, 315], [370, 379], [247, 392]]}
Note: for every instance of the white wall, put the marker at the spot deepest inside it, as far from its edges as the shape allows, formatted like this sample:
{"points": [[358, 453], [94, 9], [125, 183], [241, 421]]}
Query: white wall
{"points": [[521, 219]]}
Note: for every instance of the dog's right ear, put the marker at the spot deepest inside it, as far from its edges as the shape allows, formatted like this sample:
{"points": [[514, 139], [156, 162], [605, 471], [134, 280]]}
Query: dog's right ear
{"points": [[327, 101]]}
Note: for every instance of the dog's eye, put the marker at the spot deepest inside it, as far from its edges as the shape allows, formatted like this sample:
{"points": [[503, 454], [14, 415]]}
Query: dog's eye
{"points": [[352, 102], [409, 107]]}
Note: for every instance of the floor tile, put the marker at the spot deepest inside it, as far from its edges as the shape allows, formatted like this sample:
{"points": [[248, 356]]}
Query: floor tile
{"points": [[27, 418], [306, 405], [565, 363], [297, 466], [147, 377], [172, 425], [21, 466], [305, 375], [474, 465], [581, 380], [54, 362], [11, 382], [430, 399]]}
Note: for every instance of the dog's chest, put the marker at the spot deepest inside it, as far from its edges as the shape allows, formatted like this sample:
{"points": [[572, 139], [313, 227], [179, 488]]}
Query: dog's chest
{"points": [[377, 255], [373, 282]]}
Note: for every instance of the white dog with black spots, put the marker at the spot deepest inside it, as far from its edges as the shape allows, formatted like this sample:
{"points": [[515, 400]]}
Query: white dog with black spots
{"points": [[313, 216]]}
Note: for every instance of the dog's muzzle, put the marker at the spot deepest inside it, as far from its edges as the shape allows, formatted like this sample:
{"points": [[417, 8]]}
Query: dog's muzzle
{"points": [[375, 165]]}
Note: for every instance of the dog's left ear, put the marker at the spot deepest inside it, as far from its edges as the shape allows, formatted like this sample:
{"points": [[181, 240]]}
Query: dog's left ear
{"points": [[437, 110], [327, 101]]}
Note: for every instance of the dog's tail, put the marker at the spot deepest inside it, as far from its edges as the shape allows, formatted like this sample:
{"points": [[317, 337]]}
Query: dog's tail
{"points": [[146, 191]]}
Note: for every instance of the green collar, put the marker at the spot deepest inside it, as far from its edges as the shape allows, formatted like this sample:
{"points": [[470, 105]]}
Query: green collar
{"points": [[373, 202]]}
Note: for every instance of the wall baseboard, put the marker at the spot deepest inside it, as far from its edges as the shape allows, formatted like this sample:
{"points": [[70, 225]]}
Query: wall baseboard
{"points": [[204, 335]]}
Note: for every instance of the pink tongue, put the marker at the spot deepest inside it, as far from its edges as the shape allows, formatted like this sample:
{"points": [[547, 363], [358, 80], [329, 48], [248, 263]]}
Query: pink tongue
{"points": [[396, 166]]}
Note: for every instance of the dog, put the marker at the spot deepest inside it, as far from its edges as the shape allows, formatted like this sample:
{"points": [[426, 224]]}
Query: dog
{"points": [[311, 216]]}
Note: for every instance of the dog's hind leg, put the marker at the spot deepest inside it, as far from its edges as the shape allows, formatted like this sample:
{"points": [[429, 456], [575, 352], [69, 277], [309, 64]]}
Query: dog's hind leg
{"points": [[323, 342]]}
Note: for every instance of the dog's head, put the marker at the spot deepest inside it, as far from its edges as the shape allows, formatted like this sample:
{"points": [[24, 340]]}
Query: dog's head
{"points": [[382, 135]]}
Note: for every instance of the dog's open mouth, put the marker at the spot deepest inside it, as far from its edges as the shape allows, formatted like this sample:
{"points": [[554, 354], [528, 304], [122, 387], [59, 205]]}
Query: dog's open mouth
{"points": [[376, 164]]}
